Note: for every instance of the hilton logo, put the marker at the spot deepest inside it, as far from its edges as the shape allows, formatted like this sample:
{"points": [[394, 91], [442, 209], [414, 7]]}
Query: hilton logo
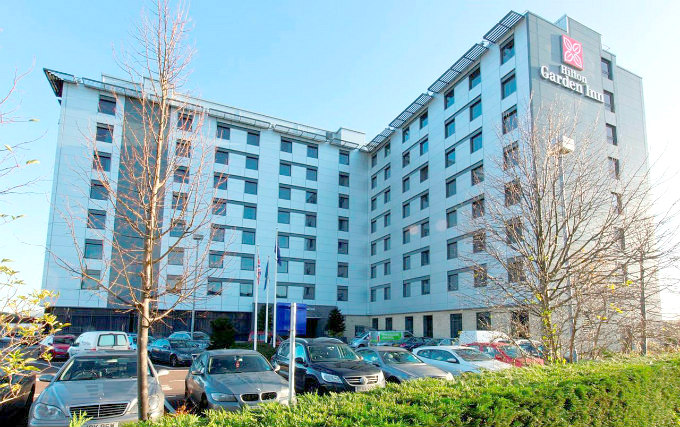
{"points": [[572, 52]]}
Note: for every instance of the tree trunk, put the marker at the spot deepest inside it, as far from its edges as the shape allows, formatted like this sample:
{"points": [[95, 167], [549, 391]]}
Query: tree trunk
{"points": [[643, 308], [142, 361]]}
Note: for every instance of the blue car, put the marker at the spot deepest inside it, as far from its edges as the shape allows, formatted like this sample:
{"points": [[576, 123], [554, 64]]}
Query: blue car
{"points": [[174, 352]]}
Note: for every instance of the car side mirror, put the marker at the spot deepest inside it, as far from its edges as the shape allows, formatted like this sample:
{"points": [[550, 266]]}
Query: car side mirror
{"points": [[46, 378], [163, 372], [276, 367], [301, 361], [196, 372], [453, 360]]}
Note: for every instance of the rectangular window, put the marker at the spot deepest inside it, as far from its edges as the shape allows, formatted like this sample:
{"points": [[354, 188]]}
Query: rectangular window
{"points": [[507, 52], [173, 284], [508, 86], [284, 241], [388, 172], [614, 171], [407, 262], [343, 157], [219, 207], [310, 197], [477, 175], [451, 218], [178, 228], [611, 134], [513, 192], [476, 143], [248, 237], [181, 175], [98, 191], [478, 241], [408, 324], [606, 67], [309, 268], [423, 147], [282, 291], [387, 243], [515, 270], [405, 134], [221, 156], [104, 133], [251, 163], [374, 227], [90, 280], [479, 276], [405, 159], [449, 99], [406, 290], [94, 249], [374, 272], [386, 220], [423, 120], [220, 181], [425, 287], [249, 212], [424, 201], [250, 187], [96, 219], [101, 162], [617, 203], [452, 281], [284, 193], [406, 236], [313, 151], [456, 324], [107, 105], [284, 217], [247, 263], [510, 120], [388, 323], [223, 132], [374, 160], [452, 250], [343, 269], [343, 179], [608, 101], [311, 174], [217, 232], [214, 286], [283, 267], [343, 293], [253, 138], [343, 224], [427, 326], [286, 146], [386, 196], [450, 187], [476, 110], [343, 201], [185, 121], [183, 148], [343, 247], [373, 298], [308, 292], [424, 173], [425, 229], [510, 155], [246, 289], [310, 220], [180, 201], [477, 208], [374, 181], [483, 321], [513, 231], [285, 169], [449, 127], [386, 150], [425, 258], [310, 244], [387, 293], [405, 184], [475, 77], [176, 256], [405, 210]]}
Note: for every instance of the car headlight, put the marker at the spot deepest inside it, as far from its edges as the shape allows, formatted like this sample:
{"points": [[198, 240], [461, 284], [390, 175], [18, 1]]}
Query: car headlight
{"points": [[330, 378], [449, 376], [381, 377], [223, 397], [42, 411]]}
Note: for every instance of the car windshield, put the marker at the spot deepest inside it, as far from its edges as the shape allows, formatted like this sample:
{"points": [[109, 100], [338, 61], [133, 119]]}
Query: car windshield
{"points": [[63, 340], [91, 368], [321, 353], [511, 350], [398, 357], [184, 344], [472, 355], [237, 363]]}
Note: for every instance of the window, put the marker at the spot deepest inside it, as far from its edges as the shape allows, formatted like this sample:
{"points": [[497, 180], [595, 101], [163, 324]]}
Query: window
{"points": [[406, 236], [508, 86], [98, 191], [311, 174], [449, 127], [405, 210], [246, 289], [101, 162], [177, 228], [386, 196], [94, 249], [476, 143], [423, 147], [310, 220], [515, 270], [251, 162], [309, 268], [477, 208], [248, 237], [484, 321], [374, 271], [475, 110], [475, 77], [250, 187], [425, 286], [452, 281], [313, 151], [425, 229], [424, 201], [286, 146], [181, 175], [284, 241], [427, 326], [374, 227], [214, 286], [423, 120], [176, 256], [617, 203], [479, 276], [451, 218], [513, 191], [249, 212], [507, 52], [343, 293], [424, 171], [407, 262], [456, 324], [374, 160], [220, 181], [388, 323], [283, 267], [478, 241], [388, 171], [614, 171], [373, 298], [343, 247], [253, 138], [285, 169], [343, 179], [510, 120], [247, 263], [219, 207], [185, 121], [96, 219], [405, 134], [425, 257], [405, 159], [343, 201], [343, 224], [223, 131], [513, 231], [611, 135], [173, 284], [405, 184], [183, 148], [450, 187], [387, 243], [406, 290], [452, 250], [449, 99], [386, 150], [90, 279], [310, 197], [104, 133], [608, 101], [310, 244], [374, 181], [343, 269], [284, 217], [510, 155], [221, 156], [386, 219], [180, 201], [107, 105], [284, 192], [217, 232], [606, 67], [343, 157], [408, 324], [387, 293], [477, 175]]}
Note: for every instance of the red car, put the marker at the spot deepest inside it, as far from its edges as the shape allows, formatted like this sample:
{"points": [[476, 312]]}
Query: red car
{"points": [[57, 345], [506, 352]]}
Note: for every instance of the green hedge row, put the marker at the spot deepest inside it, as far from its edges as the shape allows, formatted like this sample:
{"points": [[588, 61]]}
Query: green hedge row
{"points": [[633, 392]]}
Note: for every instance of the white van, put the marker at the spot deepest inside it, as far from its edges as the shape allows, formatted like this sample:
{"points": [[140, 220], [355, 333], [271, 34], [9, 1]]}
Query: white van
{"points": [[99, 341], [468, 337]]}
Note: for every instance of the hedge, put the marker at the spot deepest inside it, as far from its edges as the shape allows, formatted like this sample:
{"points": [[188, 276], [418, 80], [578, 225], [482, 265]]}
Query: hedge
{"points": [[633, 392]]}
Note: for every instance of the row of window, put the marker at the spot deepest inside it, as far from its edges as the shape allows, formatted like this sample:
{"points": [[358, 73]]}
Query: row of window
{"points": [[483, 323]]}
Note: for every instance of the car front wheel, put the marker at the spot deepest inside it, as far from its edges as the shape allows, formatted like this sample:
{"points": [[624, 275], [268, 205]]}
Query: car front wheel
{"points": [[173, 361], [312, 387]]}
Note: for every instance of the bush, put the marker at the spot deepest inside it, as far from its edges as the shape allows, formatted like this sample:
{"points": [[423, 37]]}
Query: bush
{"points": [[223, 333], [264, 349], [633, 392]]}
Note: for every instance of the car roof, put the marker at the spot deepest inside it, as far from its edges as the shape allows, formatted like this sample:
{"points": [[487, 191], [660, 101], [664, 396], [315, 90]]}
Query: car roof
{"points": [[104, 332], [231, 351], [453, 347], [321, 340], [99, 354], [385, 348]]}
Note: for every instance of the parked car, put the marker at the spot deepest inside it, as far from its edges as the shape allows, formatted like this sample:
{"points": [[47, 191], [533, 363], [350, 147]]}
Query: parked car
{"points": [[411, 343], [441, 341], [99, 341], [101, 385], [533, 348], [468, 337], [506, 352], [459, 359], [231, 379], [174, 352], [184, 335], [57, 345], [399, 364], [379, 338], [19, 400], [327, 364]]}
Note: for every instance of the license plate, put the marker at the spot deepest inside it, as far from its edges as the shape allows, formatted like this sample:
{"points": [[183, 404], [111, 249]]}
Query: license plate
{"points": [[102, 425], [363, 387]]}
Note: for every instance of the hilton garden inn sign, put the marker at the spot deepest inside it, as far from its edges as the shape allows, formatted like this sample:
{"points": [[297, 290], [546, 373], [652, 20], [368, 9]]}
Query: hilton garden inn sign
{"points": [[568, 77]]}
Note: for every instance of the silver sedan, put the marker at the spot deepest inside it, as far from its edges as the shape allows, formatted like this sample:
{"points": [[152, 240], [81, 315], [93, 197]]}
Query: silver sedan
{"points": [[102, 386], [231, 379], [399, 364]]}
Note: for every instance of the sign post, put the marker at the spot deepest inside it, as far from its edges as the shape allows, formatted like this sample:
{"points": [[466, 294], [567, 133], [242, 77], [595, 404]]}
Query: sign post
{"points": [[291, 361]]}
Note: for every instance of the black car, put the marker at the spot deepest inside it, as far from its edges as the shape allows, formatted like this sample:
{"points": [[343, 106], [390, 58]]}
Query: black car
{"points": [[327, 364], [174, 352], [411, 343]]}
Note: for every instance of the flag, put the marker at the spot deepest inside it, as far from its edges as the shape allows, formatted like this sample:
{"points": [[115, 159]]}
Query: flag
{"points": [[259, 270], [266, 274], [277, 251]]}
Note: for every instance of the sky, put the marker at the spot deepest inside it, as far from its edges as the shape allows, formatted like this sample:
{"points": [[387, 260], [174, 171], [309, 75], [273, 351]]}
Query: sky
{"points": [[329, 64]]}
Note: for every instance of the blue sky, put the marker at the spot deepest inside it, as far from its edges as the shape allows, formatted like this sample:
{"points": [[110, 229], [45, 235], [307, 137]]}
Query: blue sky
{"points": [[355, 64]]}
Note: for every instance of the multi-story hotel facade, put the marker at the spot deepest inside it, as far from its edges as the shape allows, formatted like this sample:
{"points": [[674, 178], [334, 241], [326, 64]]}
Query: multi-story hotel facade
{"points": [[373, 228]]}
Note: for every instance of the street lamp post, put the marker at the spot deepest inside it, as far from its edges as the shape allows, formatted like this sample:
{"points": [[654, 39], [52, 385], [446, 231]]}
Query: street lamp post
{"points": [[197, 238]]}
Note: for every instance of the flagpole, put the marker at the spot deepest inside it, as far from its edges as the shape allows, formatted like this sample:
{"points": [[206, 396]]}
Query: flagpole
{"points": [[266, 307], [257, 286], [276, 269]]}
